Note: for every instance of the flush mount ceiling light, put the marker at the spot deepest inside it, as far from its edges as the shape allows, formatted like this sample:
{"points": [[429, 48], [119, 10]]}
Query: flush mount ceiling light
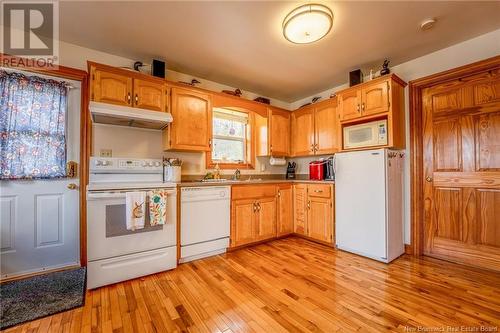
{"points": [[427, 24], [307, 23]]}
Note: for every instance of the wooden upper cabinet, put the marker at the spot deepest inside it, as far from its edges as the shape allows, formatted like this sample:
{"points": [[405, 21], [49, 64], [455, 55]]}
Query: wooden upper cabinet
{"points": [[150, 95], [191, 129], [285, 211], [349, 103], [110, 87], [326, 128], [375, 98], [303, 132], [279, 132]]}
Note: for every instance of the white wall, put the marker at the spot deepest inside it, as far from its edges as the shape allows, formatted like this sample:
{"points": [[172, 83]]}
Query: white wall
{"points": [[472, 50]]}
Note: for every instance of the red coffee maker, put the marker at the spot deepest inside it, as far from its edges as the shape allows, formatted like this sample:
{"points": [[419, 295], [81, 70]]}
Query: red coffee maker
{"points": [[317, 170]]}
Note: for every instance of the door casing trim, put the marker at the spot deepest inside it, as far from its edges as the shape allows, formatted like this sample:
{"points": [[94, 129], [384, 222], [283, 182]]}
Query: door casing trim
{"points": [[416, 145]]}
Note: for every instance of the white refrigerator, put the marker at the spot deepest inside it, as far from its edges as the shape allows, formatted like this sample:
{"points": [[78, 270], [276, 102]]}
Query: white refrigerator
{"points": [[369, 207]]}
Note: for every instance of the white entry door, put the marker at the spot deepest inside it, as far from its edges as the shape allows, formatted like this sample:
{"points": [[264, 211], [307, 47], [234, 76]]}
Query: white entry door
{"points": [[39, 219]]}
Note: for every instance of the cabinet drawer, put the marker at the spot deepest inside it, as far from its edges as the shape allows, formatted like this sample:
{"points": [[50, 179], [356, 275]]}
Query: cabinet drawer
{"points": [[252, 191], [319, 190]]}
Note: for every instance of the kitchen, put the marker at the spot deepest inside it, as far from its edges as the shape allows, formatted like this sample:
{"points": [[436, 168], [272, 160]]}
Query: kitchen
{"points": [[189, 188]]}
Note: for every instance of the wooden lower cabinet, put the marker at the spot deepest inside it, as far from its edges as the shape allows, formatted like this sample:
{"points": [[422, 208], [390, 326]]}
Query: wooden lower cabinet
{"points": [[267, 211], [285, 210], [314, 212]]}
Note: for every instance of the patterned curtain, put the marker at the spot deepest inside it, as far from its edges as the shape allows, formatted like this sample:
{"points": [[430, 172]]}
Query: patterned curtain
{"points": [[32, 127]]}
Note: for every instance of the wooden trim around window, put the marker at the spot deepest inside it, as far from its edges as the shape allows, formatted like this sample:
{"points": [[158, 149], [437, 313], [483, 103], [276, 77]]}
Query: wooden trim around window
{"points": [[250, 141], [416, 145], [85, 132]]}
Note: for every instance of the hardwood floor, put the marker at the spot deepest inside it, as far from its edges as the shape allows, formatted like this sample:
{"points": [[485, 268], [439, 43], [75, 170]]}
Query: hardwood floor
{"points": [[289, 285]]}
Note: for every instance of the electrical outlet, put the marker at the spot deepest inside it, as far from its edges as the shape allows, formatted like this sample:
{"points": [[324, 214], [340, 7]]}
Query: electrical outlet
{"points": [[106, 153], [262, 167]]}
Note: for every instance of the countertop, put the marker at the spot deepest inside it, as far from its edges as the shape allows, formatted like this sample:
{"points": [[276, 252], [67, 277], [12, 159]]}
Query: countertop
{"points": [[190, 181]]}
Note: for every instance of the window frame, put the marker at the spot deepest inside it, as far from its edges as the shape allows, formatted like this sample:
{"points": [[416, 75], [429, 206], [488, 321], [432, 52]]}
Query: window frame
{"points": [[248, 148]]}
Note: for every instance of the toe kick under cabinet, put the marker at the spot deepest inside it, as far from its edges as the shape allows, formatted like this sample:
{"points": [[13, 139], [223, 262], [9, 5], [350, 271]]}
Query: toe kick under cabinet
{"points": [[267, 211]]}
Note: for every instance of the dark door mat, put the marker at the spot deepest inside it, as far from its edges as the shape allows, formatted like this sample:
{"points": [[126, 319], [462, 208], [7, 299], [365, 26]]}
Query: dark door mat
{"points": [[40, 296]]}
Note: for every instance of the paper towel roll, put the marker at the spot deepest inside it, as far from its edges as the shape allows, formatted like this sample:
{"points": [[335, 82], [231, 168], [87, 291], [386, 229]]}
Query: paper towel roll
{"points": [[277, 161]]}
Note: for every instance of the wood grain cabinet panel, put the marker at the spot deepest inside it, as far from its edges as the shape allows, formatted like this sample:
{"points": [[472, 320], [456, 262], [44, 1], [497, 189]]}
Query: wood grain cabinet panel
{"points": [[243, 222], [326, 129], [303, 132], [285, 210], [265, 219], [191, 129], [349, 103], [149, 95], [110, 87], [319, 217], [300, 209], [279, 132], [375, 98]]}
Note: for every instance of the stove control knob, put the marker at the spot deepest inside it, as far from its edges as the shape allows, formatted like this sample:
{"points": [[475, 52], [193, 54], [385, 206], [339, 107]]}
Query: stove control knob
{"points": [[104, 163], [157, 164], [144, 163], [98, 163]]}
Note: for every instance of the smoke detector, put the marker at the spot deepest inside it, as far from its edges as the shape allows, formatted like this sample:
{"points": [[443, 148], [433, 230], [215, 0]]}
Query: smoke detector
{"points": [[427, 24]]}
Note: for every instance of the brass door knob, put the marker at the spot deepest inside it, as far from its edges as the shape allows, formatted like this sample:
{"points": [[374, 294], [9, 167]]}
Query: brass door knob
{"points": [[429, 179], [72, 186]]}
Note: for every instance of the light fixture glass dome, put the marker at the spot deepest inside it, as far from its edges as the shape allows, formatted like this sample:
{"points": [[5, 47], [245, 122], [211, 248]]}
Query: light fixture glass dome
{"points": [[307, 23]]}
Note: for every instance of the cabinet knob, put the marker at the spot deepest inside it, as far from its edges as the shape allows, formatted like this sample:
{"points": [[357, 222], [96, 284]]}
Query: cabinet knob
{"points": [[363, 106], [357, 107], [136, 99], [128, 98], [428, 178], [72, 186]]}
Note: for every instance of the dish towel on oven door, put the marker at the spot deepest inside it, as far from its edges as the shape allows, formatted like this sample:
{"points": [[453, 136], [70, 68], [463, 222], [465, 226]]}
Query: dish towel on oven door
{"points": [[135, 206], [157, 207]]}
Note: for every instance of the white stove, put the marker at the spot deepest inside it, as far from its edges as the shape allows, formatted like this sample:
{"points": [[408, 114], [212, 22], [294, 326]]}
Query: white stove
{"points": [[115, 253]]}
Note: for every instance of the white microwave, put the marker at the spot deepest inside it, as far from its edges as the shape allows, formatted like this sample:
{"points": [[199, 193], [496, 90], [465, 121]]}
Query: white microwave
{"points": [[366, 135]]}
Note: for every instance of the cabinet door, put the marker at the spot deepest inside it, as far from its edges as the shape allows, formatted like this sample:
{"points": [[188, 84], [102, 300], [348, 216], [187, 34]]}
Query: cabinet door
{"points": [[109, 87], [300, 209], [243, 222], [149, 95], [375, 98], [325, 129], [303, 132], [279, 130], [319, 218], [285, 206], [266, 218], [192, 125], [349, 103]]}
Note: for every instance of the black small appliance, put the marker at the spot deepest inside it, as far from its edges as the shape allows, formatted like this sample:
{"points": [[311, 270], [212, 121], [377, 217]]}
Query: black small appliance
{"points": [[290, 170], [329, 169], [355, 77], [158, 68]]}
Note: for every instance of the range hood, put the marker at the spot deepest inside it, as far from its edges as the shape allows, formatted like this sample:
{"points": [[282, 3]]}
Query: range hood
{"points": [[103, 113]]}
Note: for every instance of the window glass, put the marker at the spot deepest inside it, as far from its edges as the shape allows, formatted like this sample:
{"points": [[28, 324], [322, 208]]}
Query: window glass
{"points": [[229, 136]]}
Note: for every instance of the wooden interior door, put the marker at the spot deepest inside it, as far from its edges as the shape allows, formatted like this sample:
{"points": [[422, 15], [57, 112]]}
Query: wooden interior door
{"points": [[325, 128], [279, 131], [375, 98], [319, 216], [243, 222], [349, 103], [149, 95], [461, 165], [109, 87], [266, 218], [300, 209], [303, 132], [285, 210], [192, 124]]}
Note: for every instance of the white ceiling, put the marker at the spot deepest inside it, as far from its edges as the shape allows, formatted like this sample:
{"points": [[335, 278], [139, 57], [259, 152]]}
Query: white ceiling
{"points": [[241, 43]]}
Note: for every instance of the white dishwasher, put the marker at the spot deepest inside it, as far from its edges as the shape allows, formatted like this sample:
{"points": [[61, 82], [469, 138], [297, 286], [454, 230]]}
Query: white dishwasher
{"points": [[205, 221]]}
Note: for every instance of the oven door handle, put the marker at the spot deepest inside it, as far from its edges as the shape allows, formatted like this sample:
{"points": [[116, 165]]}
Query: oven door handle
{"points": [[95, 196]]}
